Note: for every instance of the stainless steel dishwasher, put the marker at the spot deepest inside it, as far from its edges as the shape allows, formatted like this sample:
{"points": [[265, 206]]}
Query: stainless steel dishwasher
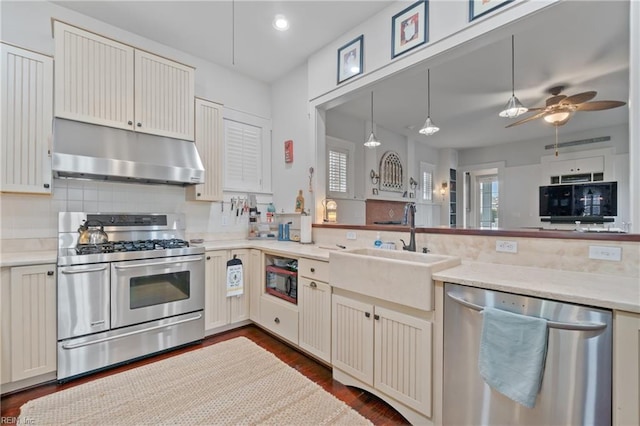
{"points": [[576, 386]]}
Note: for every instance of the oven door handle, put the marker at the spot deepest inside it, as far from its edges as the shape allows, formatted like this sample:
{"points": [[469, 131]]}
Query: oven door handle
{"points": [[131, 333], [82, 271], [161, 263], [574, 326]]}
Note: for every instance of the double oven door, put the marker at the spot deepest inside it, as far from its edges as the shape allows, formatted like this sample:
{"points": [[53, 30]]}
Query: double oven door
{"points": [[151, 289]]}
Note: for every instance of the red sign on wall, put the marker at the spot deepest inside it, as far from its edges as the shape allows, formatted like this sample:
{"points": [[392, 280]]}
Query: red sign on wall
{"points": [[288, 151]]}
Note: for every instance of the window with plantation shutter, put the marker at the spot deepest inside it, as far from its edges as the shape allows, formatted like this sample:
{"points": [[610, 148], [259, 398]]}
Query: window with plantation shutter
{"points": [[340, 165], [243, 156], [426, 178], [338, 171]]}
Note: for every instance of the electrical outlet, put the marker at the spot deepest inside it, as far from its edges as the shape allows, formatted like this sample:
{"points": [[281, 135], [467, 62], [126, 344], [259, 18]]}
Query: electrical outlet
{"points": [[351, 235], [507, 246], [605, 253]]}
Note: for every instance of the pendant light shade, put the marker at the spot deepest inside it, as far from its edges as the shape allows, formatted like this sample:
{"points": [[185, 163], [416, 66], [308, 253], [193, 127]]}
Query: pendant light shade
{"points": [[429, 128], [514, 107], [373, 141]]}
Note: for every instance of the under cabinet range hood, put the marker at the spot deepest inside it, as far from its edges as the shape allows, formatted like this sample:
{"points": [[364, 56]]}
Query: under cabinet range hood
{"points": [[89, 151]]}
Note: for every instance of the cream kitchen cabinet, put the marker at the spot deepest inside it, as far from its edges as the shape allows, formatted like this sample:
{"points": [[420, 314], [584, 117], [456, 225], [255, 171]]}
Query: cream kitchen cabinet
{"points": [[209, 141], [314, 308], [575, 166], [386, 351], [28, 324], [255, 290], [220, 310], [101, 81], [626, 368], [26, 116]]}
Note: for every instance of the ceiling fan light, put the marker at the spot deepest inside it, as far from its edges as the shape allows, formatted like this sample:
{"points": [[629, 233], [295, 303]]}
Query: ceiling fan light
{"points": [[372, 142], [556, 117], [513, 108], [429, 128]]}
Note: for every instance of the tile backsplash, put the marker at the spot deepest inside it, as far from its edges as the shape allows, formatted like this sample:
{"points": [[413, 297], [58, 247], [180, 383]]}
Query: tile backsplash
{"points": [[25, 216]]}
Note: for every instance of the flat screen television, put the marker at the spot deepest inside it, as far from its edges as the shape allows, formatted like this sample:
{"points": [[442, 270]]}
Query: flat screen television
{"points": [[585, 199]]}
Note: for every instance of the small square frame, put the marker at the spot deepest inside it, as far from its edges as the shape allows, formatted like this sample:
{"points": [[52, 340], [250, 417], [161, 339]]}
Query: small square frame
{"points": [[350, 59], [478, 8], [410, 28]]}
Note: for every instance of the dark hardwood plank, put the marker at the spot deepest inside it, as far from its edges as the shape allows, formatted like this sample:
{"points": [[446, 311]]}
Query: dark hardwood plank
{"points": [[368, 405]]}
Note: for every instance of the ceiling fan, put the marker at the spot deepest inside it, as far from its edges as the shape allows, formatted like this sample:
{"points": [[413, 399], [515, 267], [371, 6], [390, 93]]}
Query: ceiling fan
{"points": [[560, 108]]}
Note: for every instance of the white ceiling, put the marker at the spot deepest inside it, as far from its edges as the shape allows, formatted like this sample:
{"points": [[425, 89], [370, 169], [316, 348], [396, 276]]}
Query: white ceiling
{"points": [[582, 45], [204, 28]]}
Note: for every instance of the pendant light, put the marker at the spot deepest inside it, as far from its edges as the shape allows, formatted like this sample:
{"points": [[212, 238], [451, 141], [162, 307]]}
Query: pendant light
{"points": [[429, 128], [373, 141], [514, 107]]}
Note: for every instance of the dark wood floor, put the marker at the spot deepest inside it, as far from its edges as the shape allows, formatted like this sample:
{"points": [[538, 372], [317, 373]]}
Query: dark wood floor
{"points": [[369, 406]]}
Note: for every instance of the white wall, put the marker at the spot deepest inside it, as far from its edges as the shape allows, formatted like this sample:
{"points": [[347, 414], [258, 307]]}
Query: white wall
{"points": [[28, 24]]}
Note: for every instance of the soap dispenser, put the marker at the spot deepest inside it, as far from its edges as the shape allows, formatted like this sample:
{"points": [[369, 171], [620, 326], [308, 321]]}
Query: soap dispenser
{"points": [[378, 242]]}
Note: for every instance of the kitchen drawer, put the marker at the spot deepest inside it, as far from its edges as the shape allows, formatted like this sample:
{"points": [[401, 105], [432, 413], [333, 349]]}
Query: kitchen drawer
{"points": [[314, 269], [279, 318]]}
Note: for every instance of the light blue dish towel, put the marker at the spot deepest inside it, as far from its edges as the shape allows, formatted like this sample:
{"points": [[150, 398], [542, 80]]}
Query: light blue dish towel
{"points": [[513, 349]]}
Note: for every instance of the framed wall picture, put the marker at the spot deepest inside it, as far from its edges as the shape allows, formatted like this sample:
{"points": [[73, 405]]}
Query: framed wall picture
{"points": [[479, 8], [350, 59], [409, 28]]}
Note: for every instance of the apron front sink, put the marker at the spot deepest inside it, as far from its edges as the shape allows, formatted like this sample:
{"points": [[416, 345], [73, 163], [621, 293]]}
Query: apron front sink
{"points": [[397, 276]]}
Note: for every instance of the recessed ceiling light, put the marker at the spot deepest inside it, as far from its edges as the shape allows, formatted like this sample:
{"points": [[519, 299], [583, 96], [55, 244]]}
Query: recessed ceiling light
{"points": [[280, 23]]}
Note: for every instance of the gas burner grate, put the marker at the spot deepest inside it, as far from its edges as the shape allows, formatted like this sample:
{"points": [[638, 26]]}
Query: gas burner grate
{"points": [[94, 248]]}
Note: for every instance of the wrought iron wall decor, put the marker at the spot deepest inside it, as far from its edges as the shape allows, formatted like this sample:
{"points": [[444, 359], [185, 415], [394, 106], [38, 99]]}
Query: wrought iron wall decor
{"points": [[391, 173]]}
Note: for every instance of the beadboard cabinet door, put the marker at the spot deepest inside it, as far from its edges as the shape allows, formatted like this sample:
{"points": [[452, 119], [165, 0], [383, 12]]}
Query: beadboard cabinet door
{"points": [[219, 309], [314, 304], [26, 120], [164, 94], [93, 78], [104, 82], [209, 142], [33, 321]]}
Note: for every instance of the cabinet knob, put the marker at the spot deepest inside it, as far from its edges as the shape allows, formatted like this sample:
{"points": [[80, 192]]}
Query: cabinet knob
{"points": [[46, 185], [313, 269], [367, 314], [139, 124], [277, 320], [129, 122], [313, 284], [198, 195], [208, 257], [49, 273], [376, 317]]}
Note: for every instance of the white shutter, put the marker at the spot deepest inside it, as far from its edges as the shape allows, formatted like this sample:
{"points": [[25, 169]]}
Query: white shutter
{"points": [[338, 171], [426, 172], [243, 156]]}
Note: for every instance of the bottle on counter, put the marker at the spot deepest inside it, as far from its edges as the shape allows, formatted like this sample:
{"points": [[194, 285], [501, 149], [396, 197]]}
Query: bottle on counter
{"points": [[378, 242]]}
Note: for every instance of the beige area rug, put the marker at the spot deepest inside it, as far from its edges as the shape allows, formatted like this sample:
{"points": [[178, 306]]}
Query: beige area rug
{"points": [[230, 383]]}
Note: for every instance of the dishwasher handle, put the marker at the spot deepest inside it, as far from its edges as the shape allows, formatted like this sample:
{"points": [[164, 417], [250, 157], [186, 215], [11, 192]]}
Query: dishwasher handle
{"points": [[576, 326]]}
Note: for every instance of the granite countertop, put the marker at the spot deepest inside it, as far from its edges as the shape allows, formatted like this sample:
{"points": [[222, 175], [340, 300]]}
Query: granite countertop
{"points": [[605, 291], [20, 258]]}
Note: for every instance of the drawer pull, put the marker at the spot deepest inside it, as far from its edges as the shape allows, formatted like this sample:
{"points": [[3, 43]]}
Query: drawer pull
{"points": [[376, 317], [49, 273], [313, 269], [367, 314], [277, 320], [313, 284]]}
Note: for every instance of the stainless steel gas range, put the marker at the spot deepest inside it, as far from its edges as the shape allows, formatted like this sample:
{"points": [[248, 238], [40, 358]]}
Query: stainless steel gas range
{"points": [[138, 292]]}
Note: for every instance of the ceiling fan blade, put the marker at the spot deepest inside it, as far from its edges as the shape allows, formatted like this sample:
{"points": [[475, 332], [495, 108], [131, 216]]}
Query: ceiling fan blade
{"points": [[533, 117], [555, 99], [599, 105], [579, 98]]}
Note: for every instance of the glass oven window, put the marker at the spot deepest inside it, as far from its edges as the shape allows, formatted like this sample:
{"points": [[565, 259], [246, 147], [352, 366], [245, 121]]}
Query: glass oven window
{"points": [[158, 289]]}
